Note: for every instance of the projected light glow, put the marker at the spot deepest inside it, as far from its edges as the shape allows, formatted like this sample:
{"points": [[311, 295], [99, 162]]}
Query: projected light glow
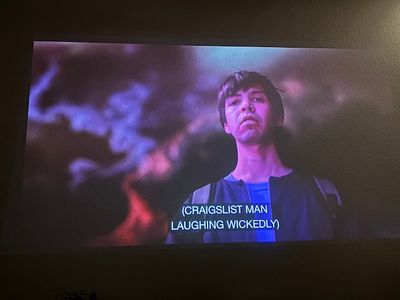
{"points": [[139, 123]]}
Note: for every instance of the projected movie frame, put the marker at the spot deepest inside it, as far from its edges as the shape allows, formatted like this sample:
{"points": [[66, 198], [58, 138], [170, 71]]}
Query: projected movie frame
{"points": [[120, 135]]}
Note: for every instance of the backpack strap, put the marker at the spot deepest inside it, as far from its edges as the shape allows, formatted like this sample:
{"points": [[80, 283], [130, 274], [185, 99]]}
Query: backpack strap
{"points": [[202, 195], [327, 188], [329, 193]]}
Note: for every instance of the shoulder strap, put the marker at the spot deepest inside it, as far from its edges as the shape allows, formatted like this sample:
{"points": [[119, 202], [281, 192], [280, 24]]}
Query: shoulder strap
{"points": [[327, 187], [202, 195]]}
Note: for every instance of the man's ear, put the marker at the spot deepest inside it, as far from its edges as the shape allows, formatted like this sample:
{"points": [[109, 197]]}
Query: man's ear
{"points": [[227, 129], [279, 122]]}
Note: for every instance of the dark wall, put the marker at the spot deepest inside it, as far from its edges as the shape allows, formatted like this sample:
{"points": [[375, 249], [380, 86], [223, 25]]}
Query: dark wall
{"points": [[368, 269]]}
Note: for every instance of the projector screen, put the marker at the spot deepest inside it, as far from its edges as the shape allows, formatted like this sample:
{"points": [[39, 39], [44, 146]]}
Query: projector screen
{"points": [[138, 144]]}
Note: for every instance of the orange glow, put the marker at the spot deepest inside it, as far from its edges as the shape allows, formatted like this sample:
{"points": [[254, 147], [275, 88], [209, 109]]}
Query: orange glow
{"points": [[143, 225]]}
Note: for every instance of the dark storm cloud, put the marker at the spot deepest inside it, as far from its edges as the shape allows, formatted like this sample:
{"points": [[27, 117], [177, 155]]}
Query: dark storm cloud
{"points": [[132, 95]]}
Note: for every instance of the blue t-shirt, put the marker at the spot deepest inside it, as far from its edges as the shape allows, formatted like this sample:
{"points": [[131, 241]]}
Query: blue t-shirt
{"points": [[259, 194]]}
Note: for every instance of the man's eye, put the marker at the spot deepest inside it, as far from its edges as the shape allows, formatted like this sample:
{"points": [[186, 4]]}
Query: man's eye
{"points": [[234, 102], [258, 99]]}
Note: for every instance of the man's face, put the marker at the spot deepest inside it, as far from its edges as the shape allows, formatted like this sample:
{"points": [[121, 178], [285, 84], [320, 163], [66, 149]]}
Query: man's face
{"points": [[250, 117]]}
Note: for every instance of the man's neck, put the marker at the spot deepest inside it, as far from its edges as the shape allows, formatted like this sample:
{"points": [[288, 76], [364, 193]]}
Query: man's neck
{"points": [[257, 163]]}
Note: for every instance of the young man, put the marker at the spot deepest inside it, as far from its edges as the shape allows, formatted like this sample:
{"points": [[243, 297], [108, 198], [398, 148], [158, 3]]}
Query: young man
{"points": [[251, 111]]}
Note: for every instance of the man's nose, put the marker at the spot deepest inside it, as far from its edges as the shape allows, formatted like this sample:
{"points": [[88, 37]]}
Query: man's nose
{"points": [[247, 105]]}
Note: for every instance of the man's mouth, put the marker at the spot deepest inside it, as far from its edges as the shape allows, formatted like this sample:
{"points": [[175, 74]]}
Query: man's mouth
{"points": [[248, 120]]}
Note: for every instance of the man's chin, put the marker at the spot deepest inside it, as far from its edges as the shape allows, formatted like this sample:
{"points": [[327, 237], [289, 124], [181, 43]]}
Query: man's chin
{"points": [[251, 138], [255, 138]]}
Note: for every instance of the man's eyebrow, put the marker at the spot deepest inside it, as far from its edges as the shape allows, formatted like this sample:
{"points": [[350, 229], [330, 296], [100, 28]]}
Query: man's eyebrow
{"points": [[233, 94], [257, 91]]}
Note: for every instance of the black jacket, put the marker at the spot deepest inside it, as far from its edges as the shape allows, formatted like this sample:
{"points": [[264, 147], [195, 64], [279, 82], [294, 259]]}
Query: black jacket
{"points": [[308, 208]]}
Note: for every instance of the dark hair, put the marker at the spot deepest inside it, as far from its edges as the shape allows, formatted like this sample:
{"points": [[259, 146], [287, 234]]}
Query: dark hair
{"points": [[243, 80]]}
